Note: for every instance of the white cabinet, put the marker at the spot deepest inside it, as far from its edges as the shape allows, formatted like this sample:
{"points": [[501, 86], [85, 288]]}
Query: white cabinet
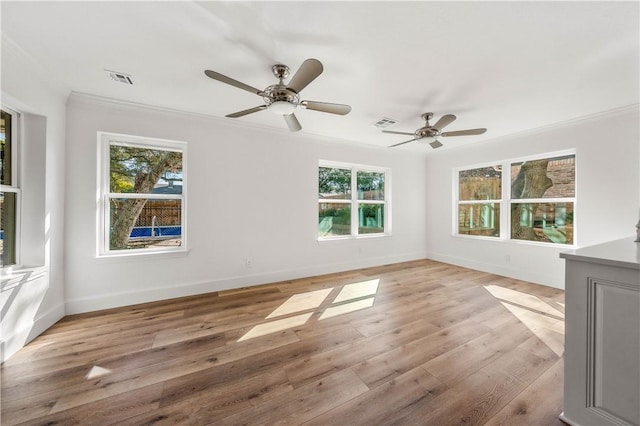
{"points": [[602, 335]]}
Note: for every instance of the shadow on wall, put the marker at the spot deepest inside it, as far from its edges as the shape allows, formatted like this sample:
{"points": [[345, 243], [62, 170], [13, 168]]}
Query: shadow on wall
{"points": [[21, 296]]}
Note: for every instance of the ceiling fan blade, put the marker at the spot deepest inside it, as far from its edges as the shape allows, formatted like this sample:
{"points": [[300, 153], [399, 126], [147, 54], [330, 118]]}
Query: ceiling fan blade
{"points": [[402, 143], [246, 111], [327, 107], [308, 71], [224, 79], [292, 122], [398, 133], [444, 121], [435, 144], [464, 132]]}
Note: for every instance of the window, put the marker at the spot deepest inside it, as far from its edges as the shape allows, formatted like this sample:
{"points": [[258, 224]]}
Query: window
{"points": [[343, 211], [10, 192], [143, 195], [542, 199], [529, 199], [479, 198]]}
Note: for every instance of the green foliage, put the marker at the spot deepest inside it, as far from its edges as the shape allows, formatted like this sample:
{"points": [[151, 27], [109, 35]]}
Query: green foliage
{"points": [[120, 185], [569, 218], [341, 215], [334, 181], [370, 181], [128, 164]]}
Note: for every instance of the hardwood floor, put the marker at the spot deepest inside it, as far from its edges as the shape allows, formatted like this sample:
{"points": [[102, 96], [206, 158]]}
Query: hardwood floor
{"points": [[415, 343]]}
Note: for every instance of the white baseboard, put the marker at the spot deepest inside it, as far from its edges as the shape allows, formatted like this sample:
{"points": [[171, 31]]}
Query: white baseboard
{"points": [[113, 300], [519, 274], [19, 338]]}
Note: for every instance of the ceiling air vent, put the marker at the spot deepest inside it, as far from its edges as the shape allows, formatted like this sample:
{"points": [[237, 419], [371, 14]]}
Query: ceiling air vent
{"points": [[120, 77], [384, 122]]}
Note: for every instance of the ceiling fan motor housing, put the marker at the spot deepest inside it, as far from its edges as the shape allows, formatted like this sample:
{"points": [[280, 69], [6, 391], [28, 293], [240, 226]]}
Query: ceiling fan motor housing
{"points": [[427, 132], [280, 99]]}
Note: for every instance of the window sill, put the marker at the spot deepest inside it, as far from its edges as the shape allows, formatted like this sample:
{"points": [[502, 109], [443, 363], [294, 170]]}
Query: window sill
{"points": [[352, 238], [150, 255], [525, 242]]}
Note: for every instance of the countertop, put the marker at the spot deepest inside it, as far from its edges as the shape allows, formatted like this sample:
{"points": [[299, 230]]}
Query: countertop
{"points": [[621, 253]]}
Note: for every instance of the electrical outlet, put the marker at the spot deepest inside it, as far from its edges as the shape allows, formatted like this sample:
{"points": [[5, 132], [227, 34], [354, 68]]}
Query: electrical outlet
{"points": [[507, 258], [248, 263]]}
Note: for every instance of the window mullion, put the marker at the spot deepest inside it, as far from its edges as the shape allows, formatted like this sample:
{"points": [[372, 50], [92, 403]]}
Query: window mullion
{"points": [[354, 201], [505, 204]]}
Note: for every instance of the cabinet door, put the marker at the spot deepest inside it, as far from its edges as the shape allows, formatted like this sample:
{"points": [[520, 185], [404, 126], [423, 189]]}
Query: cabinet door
{"points": [[602, 345], [613, 374]]}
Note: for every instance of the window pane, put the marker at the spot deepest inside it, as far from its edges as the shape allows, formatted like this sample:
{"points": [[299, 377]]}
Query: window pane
{"points": [[8, 228], [144, 171], [370, 218], [484, 183], [479, 219], [545, 222], [334, 183], [334, 219], [5, 148], [370, 186], [545, 178], [158, 223]]}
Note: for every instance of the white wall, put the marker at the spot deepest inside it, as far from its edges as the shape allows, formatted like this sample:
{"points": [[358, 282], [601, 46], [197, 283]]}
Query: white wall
{"points": [[607, 194], [32, 294], [252, 193]]}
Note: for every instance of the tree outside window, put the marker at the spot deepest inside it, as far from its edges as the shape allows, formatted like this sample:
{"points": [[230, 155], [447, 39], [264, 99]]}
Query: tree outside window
{"points": [[538, 204], [144, 196], [542, 199]]}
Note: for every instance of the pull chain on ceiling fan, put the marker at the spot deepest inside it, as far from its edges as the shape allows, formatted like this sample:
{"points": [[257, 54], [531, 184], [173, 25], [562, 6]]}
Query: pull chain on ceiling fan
{"points": [[435, 131], [284, 98]]}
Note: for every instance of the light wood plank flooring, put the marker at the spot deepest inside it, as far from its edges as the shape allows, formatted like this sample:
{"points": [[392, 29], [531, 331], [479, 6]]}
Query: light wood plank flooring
{"points": [[414, 343]]}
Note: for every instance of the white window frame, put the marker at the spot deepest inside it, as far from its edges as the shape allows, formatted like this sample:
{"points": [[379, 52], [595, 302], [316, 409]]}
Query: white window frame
{"points": [[15, 180], [355, 202], [507, 201], [105, 140], [457, 202]]}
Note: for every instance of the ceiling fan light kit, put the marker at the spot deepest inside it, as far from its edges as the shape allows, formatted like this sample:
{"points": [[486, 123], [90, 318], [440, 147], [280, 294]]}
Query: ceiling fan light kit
{"points": [[435, 131], [281, 98]]}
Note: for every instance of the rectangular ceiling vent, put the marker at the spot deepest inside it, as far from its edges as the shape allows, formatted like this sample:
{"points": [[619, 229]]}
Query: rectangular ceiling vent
{"points": [[120, 77], [384, 122]]}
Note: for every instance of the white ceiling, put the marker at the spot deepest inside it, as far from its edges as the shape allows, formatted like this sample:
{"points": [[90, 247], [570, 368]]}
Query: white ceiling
{"points": [[506, 66]]}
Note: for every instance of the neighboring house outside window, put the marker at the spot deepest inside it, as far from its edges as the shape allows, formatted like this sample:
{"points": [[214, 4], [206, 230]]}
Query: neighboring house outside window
{"points": [[10, 190], [143, 195], [529, 199], [352, 200], [543, 194]]}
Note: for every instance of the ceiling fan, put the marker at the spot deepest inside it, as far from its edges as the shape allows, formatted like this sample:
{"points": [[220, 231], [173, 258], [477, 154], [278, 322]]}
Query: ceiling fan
{"points": [[284, 98], [435, 131]]}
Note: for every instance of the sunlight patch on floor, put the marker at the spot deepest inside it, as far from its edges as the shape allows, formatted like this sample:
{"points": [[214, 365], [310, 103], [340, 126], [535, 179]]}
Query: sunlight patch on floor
{"points": [[358, 290], [97, 371], [277, 325], [352, 297], [345, 308], [301, 302], [525, 300], [544, 321]]}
